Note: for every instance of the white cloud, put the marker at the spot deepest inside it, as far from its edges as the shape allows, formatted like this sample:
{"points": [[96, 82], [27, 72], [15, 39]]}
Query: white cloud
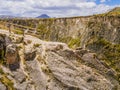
{"points": [[86, 5], [54, 8], [102, 1]]}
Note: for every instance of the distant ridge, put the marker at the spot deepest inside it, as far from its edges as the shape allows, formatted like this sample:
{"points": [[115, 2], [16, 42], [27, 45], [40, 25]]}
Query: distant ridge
{"points": [[12, 17], [43, 16], [6, 16]]}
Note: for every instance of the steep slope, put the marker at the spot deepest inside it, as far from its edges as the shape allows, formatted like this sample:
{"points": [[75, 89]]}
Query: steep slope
{"points": [[54, 66], [112, 12], [115, 11]]}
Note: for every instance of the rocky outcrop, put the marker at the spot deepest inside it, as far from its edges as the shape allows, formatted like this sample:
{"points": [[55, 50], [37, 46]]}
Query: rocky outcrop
{"points": [[12, 57], [9, 52], [54, 66], [4, 41]]}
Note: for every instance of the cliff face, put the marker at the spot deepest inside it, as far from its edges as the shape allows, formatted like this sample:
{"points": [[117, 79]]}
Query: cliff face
{"points": [[64, 29]]}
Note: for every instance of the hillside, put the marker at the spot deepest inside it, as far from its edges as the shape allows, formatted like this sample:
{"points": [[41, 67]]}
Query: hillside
{"points": [[76, 53], [113, 12]]}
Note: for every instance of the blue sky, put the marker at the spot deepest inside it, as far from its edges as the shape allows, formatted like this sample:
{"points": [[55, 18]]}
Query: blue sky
{"points": [[108, 2], [56, 8]]}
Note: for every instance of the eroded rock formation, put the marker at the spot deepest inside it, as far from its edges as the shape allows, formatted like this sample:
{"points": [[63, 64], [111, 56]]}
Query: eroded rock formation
{"points": [[54, 66]]}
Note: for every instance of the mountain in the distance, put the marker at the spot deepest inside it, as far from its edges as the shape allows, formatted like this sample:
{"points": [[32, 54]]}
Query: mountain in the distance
{"points": [[11, 17], [7, 16], [43, 16]]}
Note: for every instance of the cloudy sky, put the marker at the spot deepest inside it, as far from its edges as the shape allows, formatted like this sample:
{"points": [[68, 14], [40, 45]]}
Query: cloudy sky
{"points": [[55, 8]]}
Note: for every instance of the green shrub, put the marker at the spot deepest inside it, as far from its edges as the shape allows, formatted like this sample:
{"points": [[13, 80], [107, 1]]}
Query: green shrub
{"points": [[36, 45], [73, 43], [7, 82], [1, 71], [18, 31]]}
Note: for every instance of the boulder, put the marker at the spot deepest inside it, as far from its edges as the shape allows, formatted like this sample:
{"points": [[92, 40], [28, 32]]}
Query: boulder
{"points": [[12, 57]]}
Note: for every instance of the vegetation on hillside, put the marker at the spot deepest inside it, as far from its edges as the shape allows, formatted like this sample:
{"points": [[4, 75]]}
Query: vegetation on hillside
{"points": [[113, 12]]}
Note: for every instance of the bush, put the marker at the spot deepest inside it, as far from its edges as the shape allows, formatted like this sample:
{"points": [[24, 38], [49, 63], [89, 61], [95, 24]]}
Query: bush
{"points": [[73, 43], [36, 45]]}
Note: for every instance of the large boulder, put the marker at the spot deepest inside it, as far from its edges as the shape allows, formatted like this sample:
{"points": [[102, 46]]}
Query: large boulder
{"points": [[12, 57]]}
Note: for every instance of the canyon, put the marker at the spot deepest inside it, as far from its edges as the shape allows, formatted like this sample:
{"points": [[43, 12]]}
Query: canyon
{"points": [[75, 53]]}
